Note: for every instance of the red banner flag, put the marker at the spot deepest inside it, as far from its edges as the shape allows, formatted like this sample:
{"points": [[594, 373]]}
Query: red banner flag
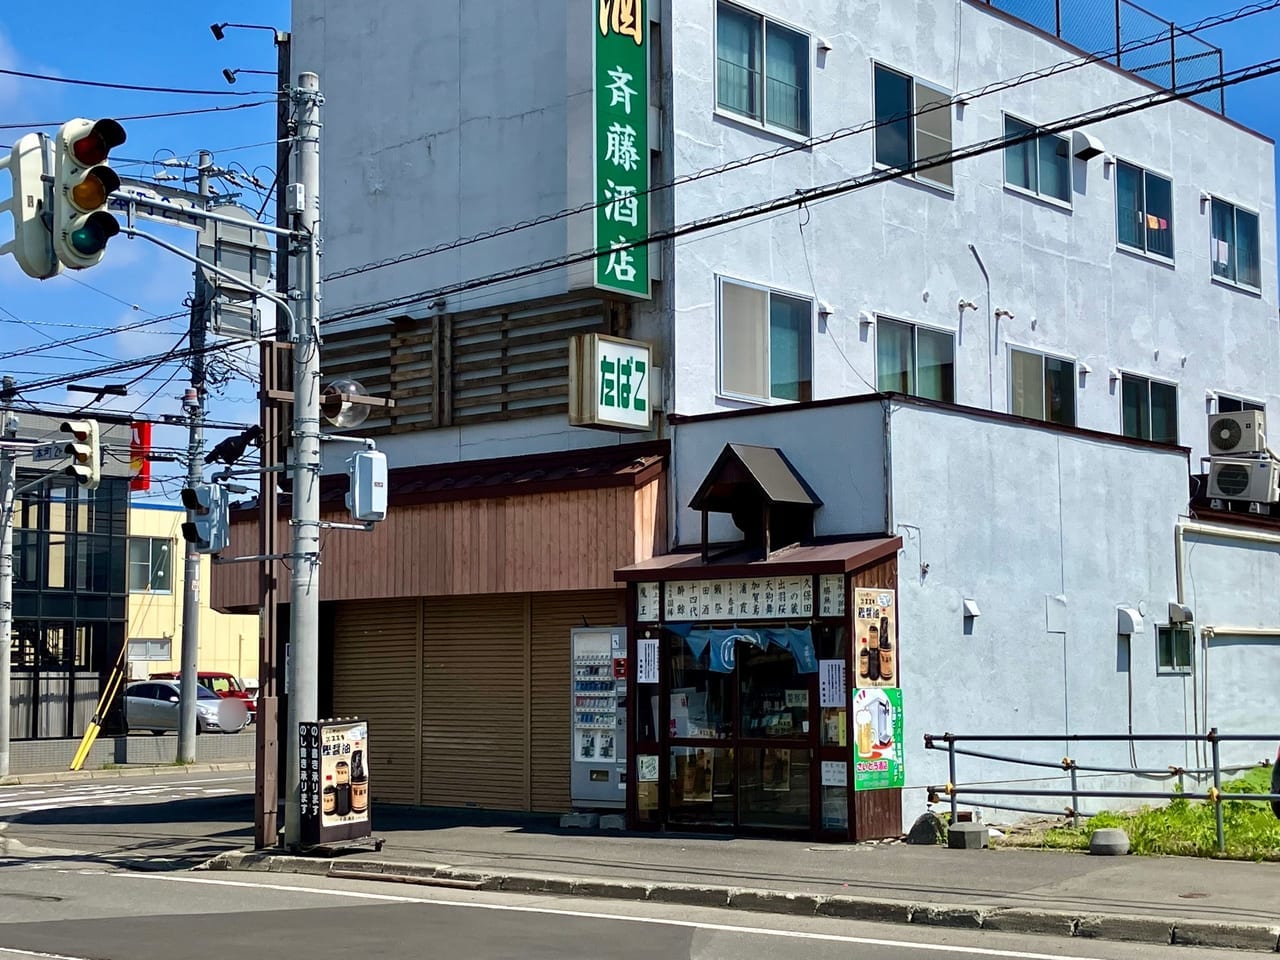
{"points": [[140, 456]]}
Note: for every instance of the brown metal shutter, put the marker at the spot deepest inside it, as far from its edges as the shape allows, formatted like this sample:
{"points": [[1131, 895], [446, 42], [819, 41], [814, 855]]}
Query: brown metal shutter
{"points": [[552, 616], [375, 676], [475, 706]]}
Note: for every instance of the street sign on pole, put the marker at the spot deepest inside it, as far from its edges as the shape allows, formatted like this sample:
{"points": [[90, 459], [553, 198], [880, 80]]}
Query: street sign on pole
{"points": [[246, 253], [49, 451]]}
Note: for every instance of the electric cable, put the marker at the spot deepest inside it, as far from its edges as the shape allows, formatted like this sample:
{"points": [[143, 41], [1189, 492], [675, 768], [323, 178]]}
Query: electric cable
{"points": [[85, 338], [997, 86], [145, 116], [138, 88], [830, 190]]}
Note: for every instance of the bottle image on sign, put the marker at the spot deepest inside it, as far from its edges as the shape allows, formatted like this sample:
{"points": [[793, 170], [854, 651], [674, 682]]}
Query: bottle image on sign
{"points": [[330, 796], [342, 775], [885, 654], [359, 783]]}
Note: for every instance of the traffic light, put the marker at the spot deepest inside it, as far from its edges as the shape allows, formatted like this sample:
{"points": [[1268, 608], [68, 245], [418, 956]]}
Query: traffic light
{"points": [[208, 527], [86, 459], [32, 244], [82, 183]]}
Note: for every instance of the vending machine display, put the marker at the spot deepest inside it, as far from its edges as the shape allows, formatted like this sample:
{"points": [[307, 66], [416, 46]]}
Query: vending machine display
{"points": [[598, 689]]}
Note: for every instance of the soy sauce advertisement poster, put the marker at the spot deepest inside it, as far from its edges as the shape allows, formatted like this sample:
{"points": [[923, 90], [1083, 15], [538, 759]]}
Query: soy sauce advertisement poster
{"points": [[875, 627], [344, 773]]}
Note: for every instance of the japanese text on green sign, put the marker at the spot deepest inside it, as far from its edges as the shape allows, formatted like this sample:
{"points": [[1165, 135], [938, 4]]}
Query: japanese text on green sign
{"points": [[621, 147]]}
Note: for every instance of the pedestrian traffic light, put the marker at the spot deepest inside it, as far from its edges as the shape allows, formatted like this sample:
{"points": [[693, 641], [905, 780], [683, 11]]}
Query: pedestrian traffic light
{"points": [[32, 243], [207, 527], [86, 460], [82, 184]]}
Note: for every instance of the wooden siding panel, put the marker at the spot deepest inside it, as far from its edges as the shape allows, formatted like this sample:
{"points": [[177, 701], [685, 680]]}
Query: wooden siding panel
{"points": [[475, 706], [375, 649], [552, 617]]}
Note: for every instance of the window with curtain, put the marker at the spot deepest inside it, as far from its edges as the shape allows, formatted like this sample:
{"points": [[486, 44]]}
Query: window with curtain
{"points": [[1041, 166], [1144, 210], [762, 69], [1042, 387], [766, 343], [1148, 409], [915, 360], [1234, 248], [913, 123]]}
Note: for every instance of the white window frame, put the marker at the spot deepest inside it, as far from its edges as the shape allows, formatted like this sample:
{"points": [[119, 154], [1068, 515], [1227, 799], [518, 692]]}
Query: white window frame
{"points": [[916, 326], [920, 176], [151, 568], [1044, 355], [721, 280], [1227, 281], [762, 123], [1246, 403], [1150, 380], [165, 644], [1143, 251], [1176, 669], [1038, 194]]}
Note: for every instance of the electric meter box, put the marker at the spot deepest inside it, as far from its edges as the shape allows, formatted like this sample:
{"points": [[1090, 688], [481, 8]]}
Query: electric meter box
{"points": [[367, 498], [598, 778]]}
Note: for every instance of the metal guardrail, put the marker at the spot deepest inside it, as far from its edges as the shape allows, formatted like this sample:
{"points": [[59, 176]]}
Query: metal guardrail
{"points": [[1214, 795], [1096, 25]]}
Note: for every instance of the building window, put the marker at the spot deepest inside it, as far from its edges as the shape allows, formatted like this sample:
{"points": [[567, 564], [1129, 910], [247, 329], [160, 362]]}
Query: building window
{"points": [[913, 123], [1228, 404], [915, 360], [766, 343], [1041, 166], [1173, 649], [1234, 245], [1149, 409], [150, 565], [1042, 387], [762, 69], [151, 649], [1144, 210]]}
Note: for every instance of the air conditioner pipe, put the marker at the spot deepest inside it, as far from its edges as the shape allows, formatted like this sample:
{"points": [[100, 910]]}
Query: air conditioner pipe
{"points": [[991, 337]]}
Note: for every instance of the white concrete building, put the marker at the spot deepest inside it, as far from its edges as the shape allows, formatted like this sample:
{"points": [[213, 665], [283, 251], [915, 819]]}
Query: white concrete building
{"points": [[1005, 361]]}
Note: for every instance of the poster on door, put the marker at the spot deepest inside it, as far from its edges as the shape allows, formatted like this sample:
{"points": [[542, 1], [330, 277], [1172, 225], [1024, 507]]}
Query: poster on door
{"points": [[877, 739], [876, 630]]}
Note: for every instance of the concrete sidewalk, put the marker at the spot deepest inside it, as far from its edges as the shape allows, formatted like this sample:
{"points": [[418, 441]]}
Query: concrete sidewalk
{"points": [[1154, 900]]}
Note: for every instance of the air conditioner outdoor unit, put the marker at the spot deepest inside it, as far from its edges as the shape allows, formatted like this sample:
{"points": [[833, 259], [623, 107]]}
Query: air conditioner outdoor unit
{"points": [[1243, 432], [1235, 478]]}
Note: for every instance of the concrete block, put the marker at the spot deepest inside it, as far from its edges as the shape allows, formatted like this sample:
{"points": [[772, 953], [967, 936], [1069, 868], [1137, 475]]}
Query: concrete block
{"points": [[1109, 842], [689, 895], [769, 901], [1035, 922], [1137, 929], [580, 821], [968, 836], [613, 821], [939, 916], [856, 908], [528, 883], [606, 890], [1228, 936]]}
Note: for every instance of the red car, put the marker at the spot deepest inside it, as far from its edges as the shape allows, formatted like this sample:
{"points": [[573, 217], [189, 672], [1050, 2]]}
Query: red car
{"points": [[223, 684]]}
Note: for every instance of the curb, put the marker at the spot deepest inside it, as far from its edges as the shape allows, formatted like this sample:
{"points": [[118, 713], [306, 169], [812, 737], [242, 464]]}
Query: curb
{"points": [[135, 770], [1118, 927]]}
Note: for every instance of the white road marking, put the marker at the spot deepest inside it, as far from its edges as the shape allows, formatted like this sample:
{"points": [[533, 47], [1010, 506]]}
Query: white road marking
{"points": [[34, 800], [11, 951], [621, 918]]}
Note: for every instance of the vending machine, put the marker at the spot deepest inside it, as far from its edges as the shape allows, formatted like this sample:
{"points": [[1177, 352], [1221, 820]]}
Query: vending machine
{"points": [[598, 688]]}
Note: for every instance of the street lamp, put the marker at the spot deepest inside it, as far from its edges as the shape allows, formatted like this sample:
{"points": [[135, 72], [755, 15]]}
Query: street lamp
{"points": [[230, 75], [217, 29]]}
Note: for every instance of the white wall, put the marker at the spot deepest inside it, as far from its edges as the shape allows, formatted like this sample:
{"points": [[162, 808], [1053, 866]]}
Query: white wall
{"points": [[902, 248]]}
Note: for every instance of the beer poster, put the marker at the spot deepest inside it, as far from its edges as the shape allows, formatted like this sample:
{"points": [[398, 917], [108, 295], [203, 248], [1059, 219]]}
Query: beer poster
{"points": [[335, 781], [877, 739], [875, 627]]}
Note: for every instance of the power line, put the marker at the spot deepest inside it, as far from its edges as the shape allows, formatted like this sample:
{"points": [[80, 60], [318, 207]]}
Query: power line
{"points": [[35, 125], [176, 354], [85, 338], [836, 188], [140, 88], [960, 98]]}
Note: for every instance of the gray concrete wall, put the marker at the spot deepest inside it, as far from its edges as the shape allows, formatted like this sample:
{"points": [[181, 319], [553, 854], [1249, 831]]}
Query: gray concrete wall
{"points": [[51, 756]]}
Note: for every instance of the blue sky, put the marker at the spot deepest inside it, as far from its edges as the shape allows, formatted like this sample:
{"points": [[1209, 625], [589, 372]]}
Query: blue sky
{"points": [[174, 47]]}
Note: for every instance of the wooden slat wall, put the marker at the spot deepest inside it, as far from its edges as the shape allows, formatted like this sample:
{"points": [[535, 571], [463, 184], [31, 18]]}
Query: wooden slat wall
{"points": [[475, 708], [878, 813], [362, 355], [375, 650], [552, 616]]}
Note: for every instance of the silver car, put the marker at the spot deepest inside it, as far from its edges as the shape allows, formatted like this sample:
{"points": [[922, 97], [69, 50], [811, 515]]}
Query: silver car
{"points": [[153, 705]]}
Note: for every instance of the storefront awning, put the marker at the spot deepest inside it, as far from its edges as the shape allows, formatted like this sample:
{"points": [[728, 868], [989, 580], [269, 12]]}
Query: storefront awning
{"points": [[833, 556]]}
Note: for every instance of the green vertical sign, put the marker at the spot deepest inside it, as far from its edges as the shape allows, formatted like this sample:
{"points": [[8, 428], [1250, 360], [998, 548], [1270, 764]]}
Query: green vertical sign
{"points": [[621, 146], [877, 739]]}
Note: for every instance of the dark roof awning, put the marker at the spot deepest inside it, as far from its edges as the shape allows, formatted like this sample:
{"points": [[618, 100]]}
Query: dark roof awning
{"points": [[833, 556], [765, 468]]}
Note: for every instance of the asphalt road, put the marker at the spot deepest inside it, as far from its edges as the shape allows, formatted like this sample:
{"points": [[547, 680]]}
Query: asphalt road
{"points": [[105, 914]]}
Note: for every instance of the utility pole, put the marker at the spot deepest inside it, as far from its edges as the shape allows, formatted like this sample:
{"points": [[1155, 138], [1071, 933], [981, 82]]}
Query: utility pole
{"points": [[194, 408], [8, 480], [302, 676], [267, 732]]}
